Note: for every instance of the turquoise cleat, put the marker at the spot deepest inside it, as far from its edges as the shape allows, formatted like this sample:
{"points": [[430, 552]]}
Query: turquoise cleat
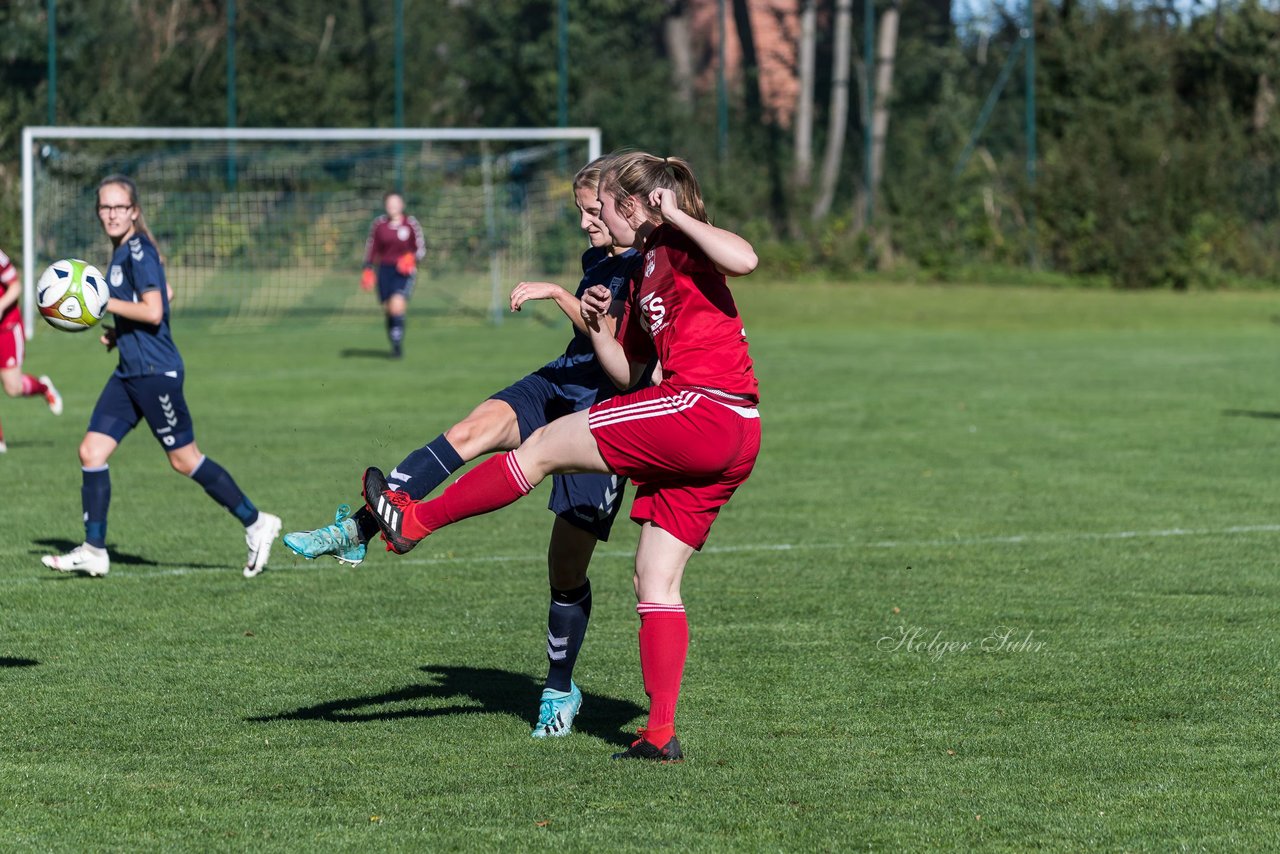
{"points": [[339, 539], [557, 711]]}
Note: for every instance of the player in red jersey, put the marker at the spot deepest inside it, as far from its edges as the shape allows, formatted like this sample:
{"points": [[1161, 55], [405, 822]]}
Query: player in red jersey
{"points": [[391, 256], [687, 443], [13, 347]]}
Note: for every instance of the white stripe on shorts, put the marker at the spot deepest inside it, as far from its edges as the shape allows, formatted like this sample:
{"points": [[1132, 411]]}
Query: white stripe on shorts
{"points": [[647, 409]]}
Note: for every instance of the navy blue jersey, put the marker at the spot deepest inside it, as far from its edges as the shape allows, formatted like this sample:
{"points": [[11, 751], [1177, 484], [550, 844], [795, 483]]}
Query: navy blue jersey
{"points": [[145, 350], [577, 373]]}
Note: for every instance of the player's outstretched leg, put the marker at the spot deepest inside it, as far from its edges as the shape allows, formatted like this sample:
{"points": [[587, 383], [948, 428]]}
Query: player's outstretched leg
{"points": [[417, 475], [342, 539], [495, 483]]}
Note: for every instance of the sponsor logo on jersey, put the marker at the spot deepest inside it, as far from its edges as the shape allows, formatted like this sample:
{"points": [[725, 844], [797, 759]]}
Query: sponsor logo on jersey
{"points": [[403, 232], [654, 314], [117, 275], [616, 283], [650, 262]]}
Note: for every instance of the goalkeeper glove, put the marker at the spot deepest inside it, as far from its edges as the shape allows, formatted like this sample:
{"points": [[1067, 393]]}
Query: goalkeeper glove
{"points": [[367, 279], [407, 264]]}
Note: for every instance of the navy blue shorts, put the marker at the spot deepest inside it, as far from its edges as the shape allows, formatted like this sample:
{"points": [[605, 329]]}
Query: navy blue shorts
{"points": [[391, 283], [586, 501], [158, 399]]}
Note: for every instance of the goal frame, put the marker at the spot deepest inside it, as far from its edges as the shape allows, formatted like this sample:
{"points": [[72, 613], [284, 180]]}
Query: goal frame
{"points": [[31, 134]]}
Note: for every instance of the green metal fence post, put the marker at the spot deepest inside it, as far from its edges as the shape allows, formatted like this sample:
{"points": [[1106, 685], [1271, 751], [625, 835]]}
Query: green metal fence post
{"points": [[1029, 37], [868, 103], [399, 48], [231, 90], [53, 61]]}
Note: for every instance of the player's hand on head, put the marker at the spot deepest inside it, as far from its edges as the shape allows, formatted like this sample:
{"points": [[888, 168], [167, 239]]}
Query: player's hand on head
{"points": [[665, 202], [526, 291]]}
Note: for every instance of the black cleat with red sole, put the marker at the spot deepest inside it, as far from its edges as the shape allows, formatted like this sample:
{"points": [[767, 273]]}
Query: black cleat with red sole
{"points": [[388, 507], [642, 748]]}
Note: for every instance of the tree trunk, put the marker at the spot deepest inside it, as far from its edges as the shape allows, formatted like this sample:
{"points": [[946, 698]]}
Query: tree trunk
{"points": [[838, 118], [678, 39], [804, 106], [886, 52], [756, 117]]}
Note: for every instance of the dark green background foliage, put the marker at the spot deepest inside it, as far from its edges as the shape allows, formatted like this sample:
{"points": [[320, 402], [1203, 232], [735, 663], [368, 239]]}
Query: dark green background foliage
{"points": [[1158, 138]]}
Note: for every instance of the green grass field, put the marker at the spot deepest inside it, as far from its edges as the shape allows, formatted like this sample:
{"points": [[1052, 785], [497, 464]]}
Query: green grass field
{"points": [[1095, 472]]}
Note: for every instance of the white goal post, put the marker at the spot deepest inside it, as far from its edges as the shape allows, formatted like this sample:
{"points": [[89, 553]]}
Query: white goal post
{"points": [[39, 139]]}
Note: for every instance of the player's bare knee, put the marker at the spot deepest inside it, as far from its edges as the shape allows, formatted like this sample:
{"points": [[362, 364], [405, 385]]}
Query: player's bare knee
{"points": [[91, 456], [12, 386], [465, 436], [185, 460]]}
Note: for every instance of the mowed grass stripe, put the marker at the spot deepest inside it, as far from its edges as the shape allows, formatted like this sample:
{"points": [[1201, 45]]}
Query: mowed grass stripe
{"points": [[1092, 470]]}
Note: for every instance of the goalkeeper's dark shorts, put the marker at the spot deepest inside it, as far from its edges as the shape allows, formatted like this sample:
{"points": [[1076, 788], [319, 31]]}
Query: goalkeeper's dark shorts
{"points": [[391, 283]]}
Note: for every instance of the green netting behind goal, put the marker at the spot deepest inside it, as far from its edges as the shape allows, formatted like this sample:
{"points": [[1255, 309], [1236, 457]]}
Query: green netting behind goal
{"points": [[256, 232]]}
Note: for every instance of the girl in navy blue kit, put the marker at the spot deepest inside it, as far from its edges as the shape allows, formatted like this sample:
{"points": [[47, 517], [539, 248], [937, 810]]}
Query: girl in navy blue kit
{"points": [[147, 384]]}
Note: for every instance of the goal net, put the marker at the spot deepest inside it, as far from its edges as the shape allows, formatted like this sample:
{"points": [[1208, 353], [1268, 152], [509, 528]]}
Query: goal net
{"points": [[258, 225]]}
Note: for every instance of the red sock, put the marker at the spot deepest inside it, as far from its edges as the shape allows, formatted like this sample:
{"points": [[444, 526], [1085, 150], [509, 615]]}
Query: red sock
{"points": [[32, 386], [492, 485], [664, 643]]}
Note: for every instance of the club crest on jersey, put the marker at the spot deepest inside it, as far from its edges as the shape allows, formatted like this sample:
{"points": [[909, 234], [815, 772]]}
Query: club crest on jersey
{"points": [[615, 283], [117, 275], [654, 313], [403, 232]]}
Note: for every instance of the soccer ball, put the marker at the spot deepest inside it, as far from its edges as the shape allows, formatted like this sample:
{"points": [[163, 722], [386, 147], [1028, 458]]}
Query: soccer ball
{"points": [[72, 295]]}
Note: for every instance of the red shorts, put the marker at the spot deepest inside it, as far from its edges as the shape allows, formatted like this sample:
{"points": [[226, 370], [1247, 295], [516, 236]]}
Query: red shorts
{"points": [[686, 450], [13, 346]]}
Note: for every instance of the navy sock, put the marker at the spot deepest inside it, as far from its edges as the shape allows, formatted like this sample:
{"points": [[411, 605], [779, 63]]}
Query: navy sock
{"points": [[222, 489], [426, 468], [395, 331], [566, 627], [418, 475], [95, 497]]}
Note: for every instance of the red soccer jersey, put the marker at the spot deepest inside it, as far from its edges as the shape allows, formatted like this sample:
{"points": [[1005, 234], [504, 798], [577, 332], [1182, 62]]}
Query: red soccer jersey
{"points": [[687, 318], [388, 242], [8, 279]]}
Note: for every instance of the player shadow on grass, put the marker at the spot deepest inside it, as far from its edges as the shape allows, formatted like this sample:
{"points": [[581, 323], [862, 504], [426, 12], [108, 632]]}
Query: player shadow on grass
{"points": [[364, 353], [1251, 413], [51, 545], [470, 691], [17, 662]]}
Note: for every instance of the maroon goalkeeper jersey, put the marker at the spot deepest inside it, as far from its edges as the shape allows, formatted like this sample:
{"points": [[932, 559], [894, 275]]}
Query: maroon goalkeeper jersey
{"points": [[389, 241]]}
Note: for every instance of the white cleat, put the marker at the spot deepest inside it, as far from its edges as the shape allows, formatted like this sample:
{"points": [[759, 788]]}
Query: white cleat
{"points": [[86, 559], [258, 537], [3, 447], [51, 395]]}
